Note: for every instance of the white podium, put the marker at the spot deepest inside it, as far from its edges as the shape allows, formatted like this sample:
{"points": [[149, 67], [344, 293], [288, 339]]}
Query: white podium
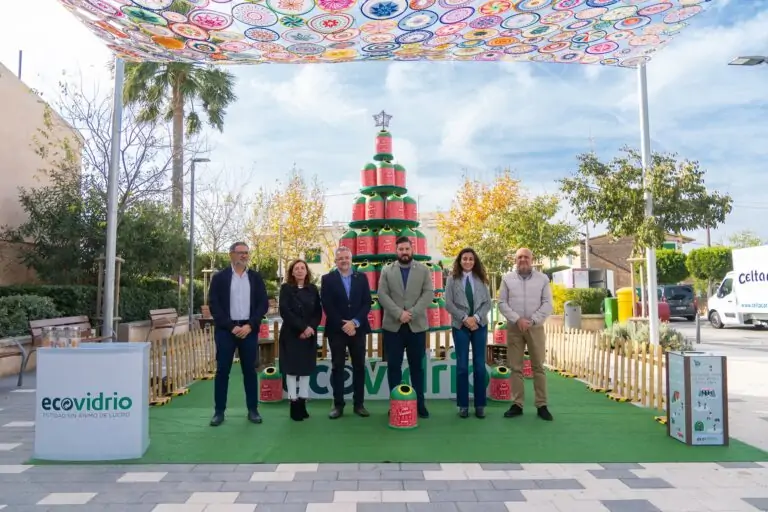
{"points": [[92, 402], [697, 398]]}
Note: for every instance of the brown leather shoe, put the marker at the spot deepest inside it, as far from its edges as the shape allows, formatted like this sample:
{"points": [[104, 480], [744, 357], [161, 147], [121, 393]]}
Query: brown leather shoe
{"points": [[362, 411]]}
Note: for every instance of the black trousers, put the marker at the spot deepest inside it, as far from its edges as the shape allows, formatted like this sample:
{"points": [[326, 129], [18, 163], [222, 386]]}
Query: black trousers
{"points": [[339, 343], [248, 350], [414, 346]]}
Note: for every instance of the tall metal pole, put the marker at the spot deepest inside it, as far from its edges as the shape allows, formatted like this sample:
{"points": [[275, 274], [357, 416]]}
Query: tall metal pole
{"points": [[586, 246], [108, 312], [191, 285], [645, 139], [21, 60]]}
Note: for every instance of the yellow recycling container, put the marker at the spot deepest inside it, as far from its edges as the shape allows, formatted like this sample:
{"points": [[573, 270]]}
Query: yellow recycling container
{"points": [[626, 299]]}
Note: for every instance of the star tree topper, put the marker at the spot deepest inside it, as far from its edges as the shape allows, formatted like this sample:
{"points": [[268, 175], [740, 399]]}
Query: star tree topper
{"points": [[382, 119]]}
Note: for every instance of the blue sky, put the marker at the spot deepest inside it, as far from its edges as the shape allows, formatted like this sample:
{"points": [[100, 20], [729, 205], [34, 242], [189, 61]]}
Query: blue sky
{"points": [[451, 118]]}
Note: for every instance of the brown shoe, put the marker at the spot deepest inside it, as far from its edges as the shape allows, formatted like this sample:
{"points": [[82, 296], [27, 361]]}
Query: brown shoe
{"points": [[362, 412]]}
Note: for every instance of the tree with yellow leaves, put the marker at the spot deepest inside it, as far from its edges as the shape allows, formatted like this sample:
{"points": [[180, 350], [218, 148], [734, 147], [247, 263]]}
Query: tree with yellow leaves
{"points": [[475, 202], [285, 223]]}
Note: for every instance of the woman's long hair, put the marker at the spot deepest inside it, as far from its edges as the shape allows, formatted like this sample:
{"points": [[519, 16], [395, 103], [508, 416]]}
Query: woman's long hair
{"points": [[290, 279], [478, 269]]}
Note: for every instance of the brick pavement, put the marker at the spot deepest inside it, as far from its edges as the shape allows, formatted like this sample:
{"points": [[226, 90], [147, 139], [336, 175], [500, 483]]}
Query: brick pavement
{"points": [[361, 487]]}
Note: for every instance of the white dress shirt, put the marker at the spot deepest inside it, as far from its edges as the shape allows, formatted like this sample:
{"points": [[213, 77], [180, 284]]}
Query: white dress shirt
{"points": [[240, 297]]}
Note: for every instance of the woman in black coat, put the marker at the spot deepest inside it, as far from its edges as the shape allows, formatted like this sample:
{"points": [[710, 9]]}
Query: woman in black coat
{"points": [[301, 312]]}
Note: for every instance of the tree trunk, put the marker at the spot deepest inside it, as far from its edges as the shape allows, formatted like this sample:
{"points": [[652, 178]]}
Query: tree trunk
{"points": [[177, 176]]}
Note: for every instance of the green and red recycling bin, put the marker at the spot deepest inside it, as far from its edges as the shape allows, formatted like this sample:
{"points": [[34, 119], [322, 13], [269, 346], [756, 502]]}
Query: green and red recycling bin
{"points": [[385, 244], [368, 176], [270, 385], [383, 147], [358, 209], [374, 207], [349, 240], [385, 177], [264, 329], [366, 243], [395, 208], [399, 176], [501, 384], [500, 333], [403, 413]]}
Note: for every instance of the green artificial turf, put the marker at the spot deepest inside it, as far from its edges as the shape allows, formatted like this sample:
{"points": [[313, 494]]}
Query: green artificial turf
{"points": [[588, 427]]}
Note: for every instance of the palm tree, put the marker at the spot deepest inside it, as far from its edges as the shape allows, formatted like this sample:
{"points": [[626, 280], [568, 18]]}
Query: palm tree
{"points": [[171, 91]]}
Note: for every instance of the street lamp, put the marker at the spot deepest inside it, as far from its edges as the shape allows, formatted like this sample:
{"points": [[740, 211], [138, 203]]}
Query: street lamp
{"points": [[749, 61], [192, 238]]}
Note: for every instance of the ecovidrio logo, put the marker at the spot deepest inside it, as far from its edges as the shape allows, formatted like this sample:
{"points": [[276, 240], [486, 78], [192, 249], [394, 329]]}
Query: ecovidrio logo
{"points": [[90, 404]]}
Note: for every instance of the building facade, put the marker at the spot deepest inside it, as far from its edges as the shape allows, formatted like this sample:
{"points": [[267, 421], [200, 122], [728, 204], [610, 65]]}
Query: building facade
{"points": [[23, 113], [608, 253]]}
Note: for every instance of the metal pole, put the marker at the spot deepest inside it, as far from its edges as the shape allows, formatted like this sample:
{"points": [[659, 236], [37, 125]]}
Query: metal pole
{"points": [[586, 247], [698, 328], [645, 138], [108, 313], [280, 249], [21, 58], [191, 285]]}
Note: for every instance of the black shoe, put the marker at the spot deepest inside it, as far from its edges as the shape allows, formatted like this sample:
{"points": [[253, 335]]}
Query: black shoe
{"points": [[423, 413], [514, 411], [337, 412], [218, 419], [254, 417], [303, 408], [362, 412], [544, 413], [463, 412], [296, 414], [480, 412]]}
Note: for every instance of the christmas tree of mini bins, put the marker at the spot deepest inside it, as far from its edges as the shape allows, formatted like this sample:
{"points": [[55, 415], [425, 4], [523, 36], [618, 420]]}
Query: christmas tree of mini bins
{"points": [[383, 212]]}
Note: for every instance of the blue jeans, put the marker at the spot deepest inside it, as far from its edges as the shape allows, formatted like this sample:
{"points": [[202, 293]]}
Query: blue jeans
{"points": [[462, 339]]}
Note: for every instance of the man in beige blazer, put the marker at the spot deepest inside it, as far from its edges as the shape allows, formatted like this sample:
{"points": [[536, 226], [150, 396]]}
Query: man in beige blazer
{"points": [[405, 292]]}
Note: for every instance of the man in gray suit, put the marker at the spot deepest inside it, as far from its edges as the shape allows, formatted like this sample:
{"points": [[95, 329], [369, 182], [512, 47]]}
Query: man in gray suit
{"points": [[405, 292]]}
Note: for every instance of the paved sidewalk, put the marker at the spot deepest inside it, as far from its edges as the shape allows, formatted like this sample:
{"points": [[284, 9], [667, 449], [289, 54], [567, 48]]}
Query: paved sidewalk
{"points": [[360, 487]]}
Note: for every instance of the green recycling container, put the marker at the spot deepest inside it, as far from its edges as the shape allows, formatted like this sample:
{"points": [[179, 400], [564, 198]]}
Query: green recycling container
{"points": [[611, 306]]}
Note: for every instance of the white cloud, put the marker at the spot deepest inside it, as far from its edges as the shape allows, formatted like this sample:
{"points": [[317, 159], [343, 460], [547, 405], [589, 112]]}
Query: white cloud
{"points": [[315, 91]]}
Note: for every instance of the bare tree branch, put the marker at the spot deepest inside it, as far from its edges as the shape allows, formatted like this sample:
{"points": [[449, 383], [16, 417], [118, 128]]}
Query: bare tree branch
{"points": [[221, 210], [145, 154]]}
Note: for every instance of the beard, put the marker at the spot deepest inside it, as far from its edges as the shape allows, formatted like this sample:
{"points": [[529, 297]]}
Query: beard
{"points": [[404, 259]]}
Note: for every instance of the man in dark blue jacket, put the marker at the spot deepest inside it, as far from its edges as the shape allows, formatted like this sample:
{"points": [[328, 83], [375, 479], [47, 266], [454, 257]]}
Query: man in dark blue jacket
{"points": [[346, 299], [238, 302]]}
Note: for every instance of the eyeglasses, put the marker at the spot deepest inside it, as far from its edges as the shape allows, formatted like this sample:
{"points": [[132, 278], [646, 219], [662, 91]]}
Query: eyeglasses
{"points": [[242, 253]]}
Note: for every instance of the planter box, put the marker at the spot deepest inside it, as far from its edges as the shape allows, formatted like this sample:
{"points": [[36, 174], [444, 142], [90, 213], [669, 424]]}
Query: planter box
{"points": [[593, 322], [137, 331], [588, 322]]}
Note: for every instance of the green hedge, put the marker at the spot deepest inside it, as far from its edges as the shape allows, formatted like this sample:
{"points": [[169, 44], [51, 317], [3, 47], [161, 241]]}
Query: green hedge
{"points": [[590, 299], [135, 302], [17, 310]]}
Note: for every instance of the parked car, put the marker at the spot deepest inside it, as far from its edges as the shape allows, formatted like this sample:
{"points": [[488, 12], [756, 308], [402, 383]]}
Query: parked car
{"points": [[681, 299]]}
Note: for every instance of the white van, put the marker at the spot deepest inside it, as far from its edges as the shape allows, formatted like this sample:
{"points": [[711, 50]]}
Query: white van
{"points": [[742, 297]]}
